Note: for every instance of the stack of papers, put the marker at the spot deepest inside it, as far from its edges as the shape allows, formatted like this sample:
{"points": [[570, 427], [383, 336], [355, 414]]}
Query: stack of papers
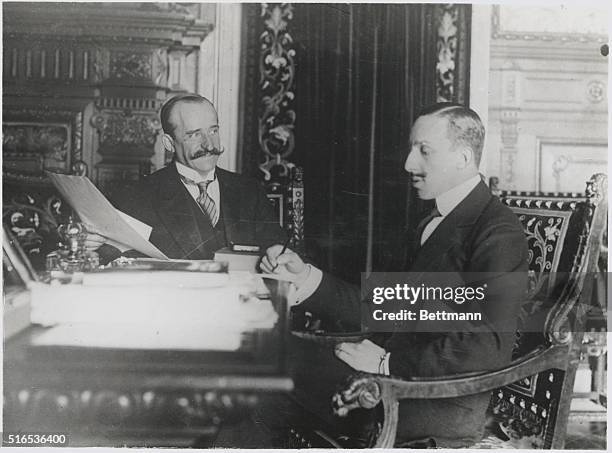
{"points": [[165, 310]]}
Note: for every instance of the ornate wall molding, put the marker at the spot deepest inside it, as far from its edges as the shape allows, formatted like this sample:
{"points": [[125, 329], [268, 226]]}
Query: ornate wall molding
{"points": [[499, 32], [277, 71], [127, 125], [595, 91], [117, 56], [509, 135], [139, 22], [452, 45], [127, 132]]}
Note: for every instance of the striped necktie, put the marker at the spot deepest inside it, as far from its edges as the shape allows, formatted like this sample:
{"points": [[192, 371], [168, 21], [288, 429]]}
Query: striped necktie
{"points": [[207, 203], [204, 200]]}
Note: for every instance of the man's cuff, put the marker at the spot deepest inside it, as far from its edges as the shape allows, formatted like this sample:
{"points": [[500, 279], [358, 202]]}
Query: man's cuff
{"points": [[385, 364], [306, 288]]}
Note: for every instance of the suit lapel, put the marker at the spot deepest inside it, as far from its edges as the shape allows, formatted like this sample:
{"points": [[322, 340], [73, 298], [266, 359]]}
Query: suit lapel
{"points": [[453, 230], [176, 214]]}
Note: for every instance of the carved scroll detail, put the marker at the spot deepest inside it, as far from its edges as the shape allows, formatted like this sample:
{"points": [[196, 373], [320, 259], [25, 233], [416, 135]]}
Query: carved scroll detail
{"points": [[277, 70]]}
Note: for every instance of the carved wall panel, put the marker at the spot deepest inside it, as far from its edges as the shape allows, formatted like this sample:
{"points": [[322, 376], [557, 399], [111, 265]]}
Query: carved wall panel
{"points": [[108, 63], [36, 140], [272, 64], [548, 90], [277, 71], [453, 44], [127, 130], [564, 166]]}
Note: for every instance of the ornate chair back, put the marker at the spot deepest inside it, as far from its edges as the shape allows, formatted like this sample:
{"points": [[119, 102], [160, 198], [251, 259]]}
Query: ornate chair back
{"points": [[564, 234]]}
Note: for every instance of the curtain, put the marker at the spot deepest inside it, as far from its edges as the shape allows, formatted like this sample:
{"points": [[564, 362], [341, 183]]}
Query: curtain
{"points": [[337, 122]]}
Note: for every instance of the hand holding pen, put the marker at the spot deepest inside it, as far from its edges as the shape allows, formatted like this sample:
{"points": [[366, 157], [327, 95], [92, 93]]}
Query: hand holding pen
{"points": [[282, 252], [280, 259]]}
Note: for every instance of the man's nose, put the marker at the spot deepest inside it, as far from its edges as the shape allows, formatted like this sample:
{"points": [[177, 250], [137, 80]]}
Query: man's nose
{"points": [[411, 163], [207, 141]]}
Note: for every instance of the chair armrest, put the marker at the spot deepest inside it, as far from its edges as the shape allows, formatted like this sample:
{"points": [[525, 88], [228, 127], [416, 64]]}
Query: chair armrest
{"points": [[365, 390], [362, 387], [472, 383]]}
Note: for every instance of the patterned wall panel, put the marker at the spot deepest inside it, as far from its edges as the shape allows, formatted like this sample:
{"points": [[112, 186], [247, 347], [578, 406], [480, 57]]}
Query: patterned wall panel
{"points": [[453, 47], [277, 72], [268, 115]]}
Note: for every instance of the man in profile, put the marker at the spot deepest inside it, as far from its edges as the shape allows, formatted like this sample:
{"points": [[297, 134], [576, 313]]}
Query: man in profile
{"points": [[192, 208], [468, 232]]}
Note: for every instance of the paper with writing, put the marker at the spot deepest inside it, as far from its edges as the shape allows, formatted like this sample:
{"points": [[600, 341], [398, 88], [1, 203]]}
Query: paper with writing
{"points": [[98, 215]]}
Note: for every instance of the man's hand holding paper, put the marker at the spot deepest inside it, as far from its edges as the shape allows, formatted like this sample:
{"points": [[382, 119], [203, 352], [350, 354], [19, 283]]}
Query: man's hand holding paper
{"points": [[95, 239], [101, 218]]}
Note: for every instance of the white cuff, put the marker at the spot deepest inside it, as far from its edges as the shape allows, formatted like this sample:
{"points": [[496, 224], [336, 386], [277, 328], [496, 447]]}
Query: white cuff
{"points": [[308, 286], [385, 364]]}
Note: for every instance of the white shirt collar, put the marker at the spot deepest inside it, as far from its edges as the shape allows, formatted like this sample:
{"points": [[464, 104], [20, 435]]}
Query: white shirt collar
{"points": [[449, 200], [193, 175]]}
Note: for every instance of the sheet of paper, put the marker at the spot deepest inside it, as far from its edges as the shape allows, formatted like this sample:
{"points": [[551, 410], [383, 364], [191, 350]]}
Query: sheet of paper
{"points": [[99, 215], [140, 227], [141, 336]]}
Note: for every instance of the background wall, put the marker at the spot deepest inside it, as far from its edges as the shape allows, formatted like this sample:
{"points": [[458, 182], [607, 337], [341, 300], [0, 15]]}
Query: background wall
{"points": [[334, 89], [547, 97]]}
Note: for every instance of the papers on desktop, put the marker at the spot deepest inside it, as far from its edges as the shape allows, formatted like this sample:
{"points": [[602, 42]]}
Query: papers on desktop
{"points": [[142, 336], [99, 216]]}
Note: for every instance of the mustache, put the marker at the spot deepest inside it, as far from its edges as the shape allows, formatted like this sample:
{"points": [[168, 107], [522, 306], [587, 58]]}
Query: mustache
{"points": [[205, 152], [417, 175]]}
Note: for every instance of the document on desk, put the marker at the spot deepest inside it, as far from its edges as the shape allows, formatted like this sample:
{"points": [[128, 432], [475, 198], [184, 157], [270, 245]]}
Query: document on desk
{"points": [[99, 215]]}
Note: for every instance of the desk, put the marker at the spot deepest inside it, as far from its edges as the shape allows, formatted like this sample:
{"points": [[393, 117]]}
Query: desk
{"points": [[142, 398]]}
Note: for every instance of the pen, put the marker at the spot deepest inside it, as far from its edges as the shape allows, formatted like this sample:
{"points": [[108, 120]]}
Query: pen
{"points": [[282, 251]]}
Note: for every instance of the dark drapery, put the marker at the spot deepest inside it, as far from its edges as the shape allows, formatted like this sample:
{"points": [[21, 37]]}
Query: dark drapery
{"points": [[334, 82], [421, 54]]}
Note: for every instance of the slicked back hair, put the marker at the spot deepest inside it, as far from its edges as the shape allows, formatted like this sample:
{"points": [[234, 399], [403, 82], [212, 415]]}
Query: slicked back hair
{"points": [[166, 111], [464, 125]]}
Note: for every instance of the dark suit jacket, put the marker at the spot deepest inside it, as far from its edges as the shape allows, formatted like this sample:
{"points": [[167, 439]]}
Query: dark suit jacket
{"points": [[180, 228], [479, 236]]}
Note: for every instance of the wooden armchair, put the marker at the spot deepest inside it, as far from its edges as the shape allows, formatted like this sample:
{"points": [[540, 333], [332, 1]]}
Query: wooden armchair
{"points": [[531, 397]]}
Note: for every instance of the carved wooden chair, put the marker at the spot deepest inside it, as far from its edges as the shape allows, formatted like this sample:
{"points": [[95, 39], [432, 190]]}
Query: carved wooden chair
{"points": [[531, 397]]}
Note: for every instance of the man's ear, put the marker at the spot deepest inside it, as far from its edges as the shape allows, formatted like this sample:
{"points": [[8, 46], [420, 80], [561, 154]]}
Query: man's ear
{"points": [[465, 156], [168, 142]]}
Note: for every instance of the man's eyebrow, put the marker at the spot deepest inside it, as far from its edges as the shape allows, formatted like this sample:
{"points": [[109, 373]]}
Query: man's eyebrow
{"points": [[192, 131]]}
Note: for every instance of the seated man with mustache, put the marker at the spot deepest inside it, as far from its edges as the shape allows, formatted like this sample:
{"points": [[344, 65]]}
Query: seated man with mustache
{"points": [[194, 208]]}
